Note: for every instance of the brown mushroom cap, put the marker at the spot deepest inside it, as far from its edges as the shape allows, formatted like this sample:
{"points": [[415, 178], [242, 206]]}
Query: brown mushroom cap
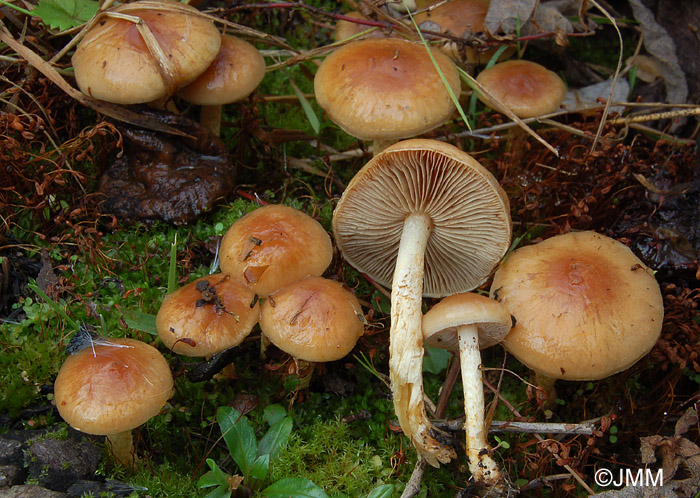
{"points": [[113, 63], [314, 319], [109, 389], [441, 323], [385, 88], [236, 71], [190, 325], [469, 213], [274, 246], [461, 18], [585, 306], [346, 29], [527, 88]]}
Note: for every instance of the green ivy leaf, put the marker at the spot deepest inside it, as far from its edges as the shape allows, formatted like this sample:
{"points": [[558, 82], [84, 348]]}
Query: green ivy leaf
{"points": [[65, 14], [294, 487], [274, 413]]}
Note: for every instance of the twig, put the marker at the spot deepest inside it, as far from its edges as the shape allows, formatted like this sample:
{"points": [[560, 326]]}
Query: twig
{"points": [[500, 426]]}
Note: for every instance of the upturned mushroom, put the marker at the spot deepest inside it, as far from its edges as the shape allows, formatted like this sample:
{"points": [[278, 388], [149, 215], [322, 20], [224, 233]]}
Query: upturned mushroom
{"points": [[424, 218], [585, 307], [234, 74], [465, 324], [111, 387], [207, 316], [274, 246], [385, 89], [527, 88], [144, 51]]}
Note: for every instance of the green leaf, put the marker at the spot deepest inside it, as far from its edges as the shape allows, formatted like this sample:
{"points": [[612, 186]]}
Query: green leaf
{"points": [[258, 470], [383, 491], [275, 438], [65, 14], [436, 360], [216, 477], [139, 320], [274, 413], [239, 437], [294, 487]]}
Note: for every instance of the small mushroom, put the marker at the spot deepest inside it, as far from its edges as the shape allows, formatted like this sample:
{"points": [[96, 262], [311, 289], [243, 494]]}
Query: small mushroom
{"points": [[111, 387], [274, 246], [463, 19], [115, 62], [235, 73], [466, 323], [207, 316], [585, 307], [385, 89], [427, 219], [314, 319], [527, 88]]}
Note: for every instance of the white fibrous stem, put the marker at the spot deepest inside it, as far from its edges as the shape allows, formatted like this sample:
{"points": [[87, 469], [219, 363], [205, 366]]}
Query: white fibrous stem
{"points": [[483, 468], [406, 341], [121, 446]]}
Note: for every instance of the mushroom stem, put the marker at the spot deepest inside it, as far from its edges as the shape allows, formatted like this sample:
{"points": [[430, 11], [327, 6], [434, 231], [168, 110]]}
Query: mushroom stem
{"points": [[547, 385], [121, 446], [483, 468], [406, 340], [210, 118], [380, 144]]}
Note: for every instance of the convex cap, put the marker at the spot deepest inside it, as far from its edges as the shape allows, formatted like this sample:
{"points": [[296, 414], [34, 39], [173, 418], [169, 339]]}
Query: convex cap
{"points": [[207, 316], [527, 88], [107, 389], [314, 319], [113, 62], [236, 71], [585, 306], [274, 246], [385, 88], [469, 213]]}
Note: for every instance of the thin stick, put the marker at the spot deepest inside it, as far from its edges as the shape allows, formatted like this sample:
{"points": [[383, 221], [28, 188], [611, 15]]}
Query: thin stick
{"points": [[504, 426]]}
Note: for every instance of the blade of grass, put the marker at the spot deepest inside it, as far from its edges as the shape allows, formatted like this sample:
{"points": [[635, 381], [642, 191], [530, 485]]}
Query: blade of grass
{"points": [[61, 312], [447, 86], [172, 270], [308, 110]]}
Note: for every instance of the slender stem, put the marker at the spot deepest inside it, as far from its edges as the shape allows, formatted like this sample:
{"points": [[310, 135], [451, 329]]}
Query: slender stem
{"points": [[122, 447], [210, 118], [406, 341], [483, 468]]}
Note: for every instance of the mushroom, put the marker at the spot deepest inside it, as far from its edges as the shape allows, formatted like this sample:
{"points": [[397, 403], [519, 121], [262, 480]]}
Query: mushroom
{"points": [[527, 88], [274, 246], [463, 19], [385, 89], [207, 316], [117, 63], [111, 387], [314, 319], [585, 307], [235, 73], [465, 323], [345, 29], [427, 219]]}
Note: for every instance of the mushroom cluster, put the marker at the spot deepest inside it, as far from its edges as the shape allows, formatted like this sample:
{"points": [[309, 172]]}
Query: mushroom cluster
{"points": [[145, 51], [277, 253]]}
